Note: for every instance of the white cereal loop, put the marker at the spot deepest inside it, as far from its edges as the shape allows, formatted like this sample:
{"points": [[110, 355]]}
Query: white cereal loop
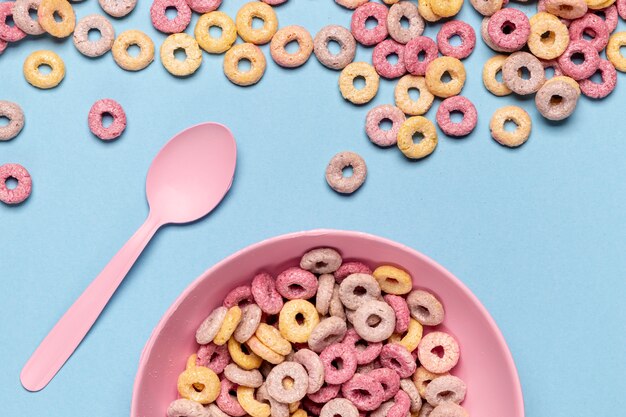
{"points": [[187, 408], [210, 326]]}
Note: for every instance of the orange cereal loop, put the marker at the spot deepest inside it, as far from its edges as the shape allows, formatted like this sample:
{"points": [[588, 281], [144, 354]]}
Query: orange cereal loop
{"points": [[613, 51], [411, 338], [245, 397], [288, 323], [446, 8], [422, 377], [246, 15], [426, 146], [245, 360], [424, 7], [48, 9], [231, 321], [270, 336], [436, 71], [264, 352], [198, 383], [393, 280]]}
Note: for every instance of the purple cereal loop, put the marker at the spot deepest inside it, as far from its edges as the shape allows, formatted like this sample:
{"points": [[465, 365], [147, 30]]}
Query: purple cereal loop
{"points": [[512, 73], [350, 268], [600, 90], [397, 303], [425, 308], [15, 115], [449, 410], [356, 289], [325, 287], [321, 260], [401, 406], [447, 388], [365, 355], [397, 358], [9, 33], [162, 23], [410, 389], [227, 400], [204, 6], [373, 119], [513, 20], [314, 368], [327, 332], [97, 112], [463, 31], [593, 25], [250, 319], [210, 326], [430, 360], [354, 388], [389, 379], [339, 407], [265, 295], [346, 42], [325, 393], [409, 11], [24, 184], [379, 329], [345, 369], [369, 37], [296, 284], [21, 17], [591, 60], [213, 357], [412, 51], [334, 171], [275, 382], [239, 296], [450, 128], [381, 63]]}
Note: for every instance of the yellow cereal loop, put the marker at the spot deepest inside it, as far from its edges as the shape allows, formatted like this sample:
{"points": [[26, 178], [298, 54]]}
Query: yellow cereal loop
{"points": [[426, 146], [46, 13], [492, 67], [293, 407], [516, 115], [288, 323], [270, 336], [299, 413], [244, 51], [393, 280], [264, 352], [567, 79], [599, 4], [404, 101], [245, 397], [244, 19], [411, 338], [422, 377], [198, 383], [437, 69], [206, 41], [424, 8], [193, 54], [358, 70], [549, 37], [446, 8], [127, 39], [616, 41], [44, 81], [245, 360], [229, 325]]}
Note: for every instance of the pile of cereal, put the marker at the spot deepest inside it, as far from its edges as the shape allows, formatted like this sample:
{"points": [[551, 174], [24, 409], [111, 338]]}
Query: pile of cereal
{"points": [[328, 338]]}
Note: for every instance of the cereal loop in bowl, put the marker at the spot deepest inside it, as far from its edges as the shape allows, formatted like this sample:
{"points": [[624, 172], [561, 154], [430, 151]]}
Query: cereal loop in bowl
{"points": [[321, 260], [432, 359]]}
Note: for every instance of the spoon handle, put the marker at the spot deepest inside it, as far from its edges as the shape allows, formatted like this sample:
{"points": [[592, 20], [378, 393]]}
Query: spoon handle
{"points": [[70, 330]]}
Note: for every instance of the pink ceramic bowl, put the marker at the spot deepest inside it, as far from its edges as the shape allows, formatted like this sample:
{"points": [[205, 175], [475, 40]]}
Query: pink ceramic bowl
{"points": [[486, 364]]}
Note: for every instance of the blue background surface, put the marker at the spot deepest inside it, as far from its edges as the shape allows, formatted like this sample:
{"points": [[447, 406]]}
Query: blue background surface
{"points": [[538, 233]]}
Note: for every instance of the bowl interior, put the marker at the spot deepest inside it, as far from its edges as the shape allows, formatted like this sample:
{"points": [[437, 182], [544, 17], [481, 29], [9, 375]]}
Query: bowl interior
{"points": [[485, 365]]}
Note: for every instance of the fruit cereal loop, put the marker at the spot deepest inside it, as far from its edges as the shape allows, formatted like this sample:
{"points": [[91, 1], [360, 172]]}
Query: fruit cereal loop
{"points": [[361, 33], [431, 360], [349, 268], [314, 368], [321, 261], [412, 50], [275, 382], [366, 352], [401, 310], [226, 401], [404, 101], [250, 320], [14, 113], [229, 325], [38, 79], [213, 357], [389, 379], [325, 286], [380, 56], [46, 15], [265, 295], [412, 336], [263, 351], [257, 64], [487, 7], [383, 410], [557, 99], [463, 31], [336, 307], [210, 326], [407, 10], [426, 410], [591, 60], [103, 107], [204, 6], [345, 357], [458, 104], [346, 42], [284, 36], [330, 330], [241, 377], [484, 33], [393, 280], [193, 54], [117, 8], [206, 41], [399, 359], [239, 296], [346, 82], [296, 283], [339, 407], [616, 41], [271, 337], [289, 326], [350, 4], [277, 409], [161, 22], [425, 10], [383, 324], [512, 73], [436, 70], [424, 147], [447, 388], [357, 289], [354, 388], [609, 15], [124, 59], [24, 184], [334, 173], [186, 408], [513, 21], [425, 308], [518, 116], [295, 407], [600, 90], [446, 8], [214, 411], [21, 17], [195, 376], [566, 9], [246, 15], [548, 37], [245, 396], [590, 24], [449, 410], [98, 47], [325, 394], [401, 405], [621, 8], [410, 389], [422, 377], [568, 80], [373, 120]]}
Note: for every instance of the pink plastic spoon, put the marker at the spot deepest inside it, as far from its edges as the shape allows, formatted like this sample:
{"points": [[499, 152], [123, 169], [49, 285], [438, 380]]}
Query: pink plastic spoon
{"points": [[186, 181]]}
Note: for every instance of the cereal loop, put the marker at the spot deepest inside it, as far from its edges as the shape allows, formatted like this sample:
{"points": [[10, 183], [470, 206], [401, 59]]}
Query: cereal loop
{"points": [[314, 368], [463, 31], [426, 146], [436, 71], [461, 105], [406, 103], [336, 179], [591, 60], [412, 336], [250, 321], [98, 47], [339, 363], [245, 396], [401, 310], [265, 295], [124, 59], [249, 52], [408, 11], [206, 41], [358, 70], [512, 73], [361, 33], [374, 321], [162, 23], [10, 33], [557, 99], [277, 388], [271, 337], [548, 37], [246, 378], [210, 326], [398, 358], [15, 115], [425, 308], [447, 388], [325, 286], [288, 323], [490, 69], [263, 351], [393, 280], [229, 325], [431, 360], [380, 59], [198, 376], [37, 78], [347, 47], [246, 360], [600, 90], [590, 23], [616, 41], [509, 29], [286, 35], [23, 188], [296, 283], [46, 12], [356, 388], [357, 289], [109, 107], [389, 379], [422, 44], [374, 119], [321, 261], [258, 10], [227, 400], [516, 115]]}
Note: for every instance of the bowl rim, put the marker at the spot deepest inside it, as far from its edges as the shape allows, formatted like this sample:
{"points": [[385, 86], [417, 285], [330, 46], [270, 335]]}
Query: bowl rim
{"points": [[321, 232]]}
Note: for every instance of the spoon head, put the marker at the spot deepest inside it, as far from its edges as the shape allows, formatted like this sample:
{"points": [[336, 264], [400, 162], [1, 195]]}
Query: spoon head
{"points": [[192, 173]]}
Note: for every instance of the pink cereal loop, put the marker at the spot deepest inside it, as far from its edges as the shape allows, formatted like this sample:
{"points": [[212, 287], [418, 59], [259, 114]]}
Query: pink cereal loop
{"points": [[412, 51], [591, 60], [311, 406], [369, 37], [401, 406], [9, 33], [338, 375], [516, 22], [204, 6], [296, 283], [397, 357], [460, 104], [621, 8], [264, 292], [590, 24], [389, 379], [213, 357], [382, 65], [365, 355], [349, 268], [373, 120], [274, 2], [325, 393], [431, 346], [463, 31], [354, 388], [401, 308], [24, 184], [609, 15], [227, 399], [600, 90], [162, 23], [240, 296], [97, 112]]}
